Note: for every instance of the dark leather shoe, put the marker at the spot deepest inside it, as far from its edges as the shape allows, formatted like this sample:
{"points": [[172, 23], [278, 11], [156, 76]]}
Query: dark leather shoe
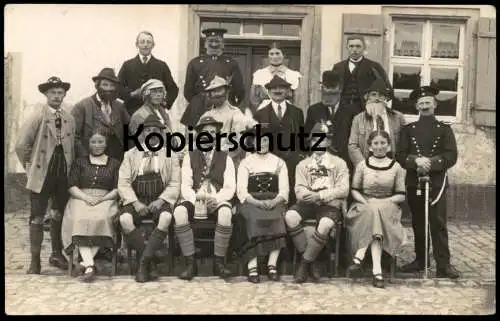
{"points": [[449, 271], [89, 274], [314, 272], [153, 271], [142, 274], [272, 273], [378, 281], [302, 272], [220, 268], [253, 276], [355, 270], [35, 266], [59, 261], [412, 267], [190, 272]]}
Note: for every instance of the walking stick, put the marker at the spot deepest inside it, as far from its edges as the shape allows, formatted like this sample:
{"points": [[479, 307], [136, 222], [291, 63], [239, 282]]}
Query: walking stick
{"points": [[425, 179]]}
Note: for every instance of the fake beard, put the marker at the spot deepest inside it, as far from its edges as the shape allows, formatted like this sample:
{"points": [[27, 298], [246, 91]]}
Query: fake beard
{"points": [[107, 95]]}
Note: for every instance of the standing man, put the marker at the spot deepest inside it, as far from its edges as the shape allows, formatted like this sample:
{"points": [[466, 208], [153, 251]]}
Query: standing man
{"points": [[46, 150], [428, 147], [141, 68], [202, 69], [327, 111], [103, 110], [357, 73], [285, 119], [377, 116]]}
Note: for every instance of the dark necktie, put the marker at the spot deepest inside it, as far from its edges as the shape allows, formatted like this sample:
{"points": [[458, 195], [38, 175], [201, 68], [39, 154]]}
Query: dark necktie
{"points": [[58, 126], [280, 112], [144, 60]]}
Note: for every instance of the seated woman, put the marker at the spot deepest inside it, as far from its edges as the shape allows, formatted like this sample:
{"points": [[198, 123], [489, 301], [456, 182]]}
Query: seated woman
{"points": [[378, 189], [262, 188], [259, 96], [87, 221]]}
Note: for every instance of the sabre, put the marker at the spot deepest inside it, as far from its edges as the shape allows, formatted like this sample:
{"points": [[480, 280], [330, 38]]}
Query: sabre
{"points": [[425, 179]]}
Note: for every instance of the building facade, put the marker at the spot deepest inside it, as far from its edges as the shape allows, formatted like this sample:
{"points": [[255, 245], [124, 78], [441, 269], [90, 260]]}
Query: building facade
{"points": [[453, 47]]}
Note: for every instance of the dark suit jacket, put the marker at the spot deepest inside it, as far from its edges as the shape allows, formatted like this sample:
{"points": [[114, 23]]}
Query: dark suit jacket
{"points": [[365, 76], [88, 116], [133, 74]]}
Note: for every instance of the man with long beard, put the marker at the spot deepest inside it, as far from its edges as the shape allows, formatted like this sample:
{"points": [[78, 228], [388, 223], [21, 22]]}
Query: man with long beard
{"points": [[202, 69], [103, 110]]}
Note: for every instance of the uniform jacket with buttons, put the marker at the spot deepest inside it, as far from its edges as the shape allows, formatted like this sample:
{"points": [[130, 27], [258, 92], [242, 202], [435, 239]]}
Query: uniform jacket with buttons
{"points": [[37, 141], [88, 115], [129, 170], [430, 138]]}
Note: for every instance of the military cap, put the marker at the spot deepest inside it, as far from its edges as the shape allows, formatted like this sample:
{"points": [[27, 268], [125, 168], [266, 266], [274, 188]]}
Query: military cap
{"points": [[209, 32], [208, 120], [277, 81], [53, 82], [380, 87], [330, 79], [424, 91], [153, 121], [216, 82]]}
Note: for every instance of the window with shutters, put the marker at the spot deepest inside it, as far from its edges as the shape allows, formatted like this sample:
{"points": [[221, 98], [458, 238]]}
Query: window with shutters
{"points": [[428, 52]]}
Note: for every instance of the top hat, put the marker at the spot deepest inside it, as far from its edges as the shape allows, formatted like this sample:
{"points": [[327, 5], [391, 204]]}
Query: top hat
{"points": [[380, 87], [214, 32], [108, 74], [330, 79], [153, 121], [216, 82], [208, 120], [277, 81], [423, 91], [53, 82]]}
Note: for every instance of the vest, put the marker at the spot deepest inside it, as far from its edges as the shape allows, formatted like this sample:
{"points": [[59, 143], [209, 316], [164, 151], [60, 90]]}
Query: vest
{"points": [[351, 89], [215, 174]]}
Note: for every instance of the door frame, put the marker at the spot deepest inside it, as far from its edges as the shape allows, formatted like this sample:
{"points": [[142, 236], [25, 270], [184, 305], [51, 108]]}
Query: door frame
{"points": [[310, 47]]}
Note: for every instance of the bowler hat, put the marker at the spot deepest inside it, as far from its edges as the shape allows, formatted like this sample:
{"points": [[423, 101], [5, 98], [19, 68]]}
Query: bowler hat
{"points": [[214, 32], [380, 87], [108, 74], [208, 120], [277, 81], [53, 82], [330, 79], [216, 82], [153, 121], [423, 91]]}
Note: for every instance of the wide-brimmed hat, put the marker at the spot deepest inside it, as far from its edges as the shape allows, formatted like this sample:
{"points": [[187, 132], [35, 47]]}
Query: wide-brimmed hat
{"points": [[320, 128], [210, 32], [53, 82], [153, 121], [208, 120], [380, 87], [217, 82], [330, 79], [108, 74], [151, 84], [423, 91], [277, 81]]}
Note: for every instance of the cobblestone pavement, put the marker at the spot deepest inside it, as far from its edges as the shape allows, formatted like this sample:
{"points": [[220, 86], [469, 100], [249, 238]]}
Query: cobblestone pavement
{"points": [[472, 247]]}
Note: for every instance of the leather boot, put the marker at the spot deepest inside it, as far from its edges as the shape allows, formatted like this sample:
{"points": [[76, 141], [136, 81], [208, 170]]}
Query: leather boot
{"points": [[220, 268], [36, 239], [154, 242], [57, 259], [153, 271], [314, 271], [412, 267], [142, 274], [190, 271], [302, 272], [447, 271]]}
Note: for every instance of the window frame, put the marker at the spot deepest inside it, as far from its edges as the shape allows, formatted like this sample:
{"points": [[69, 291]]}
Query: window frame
{"points": [[427, 63]]}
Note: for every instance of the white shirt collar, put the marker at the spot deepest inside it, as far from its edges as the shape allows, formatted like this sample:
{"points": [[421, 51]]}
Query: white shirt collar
{"points": [[358, 60], [53, 110], [142, 58], [275, 107]]}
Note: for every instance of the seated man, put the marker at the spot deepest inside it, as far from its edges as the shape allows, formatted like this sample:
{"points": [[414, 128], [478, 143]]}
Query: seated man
{"points": [[208, 184], [149, 185], [321, 186]]}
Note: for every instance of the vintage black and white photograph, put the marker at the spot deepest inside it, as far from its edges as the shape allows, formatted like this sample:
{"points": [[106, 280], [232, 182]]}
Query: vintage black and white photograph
{"points": [[249, 159]]}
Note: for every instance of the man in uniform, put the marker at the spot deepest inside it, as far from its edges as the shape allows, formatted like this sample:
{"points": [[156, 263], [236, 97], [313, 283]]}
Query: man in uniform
{"points": [[284, 119], [327, 111], [208, 185], [427, 148], [102, 110], [46, 150], [202, 69], [149, 185], [136, 71], [357, 73]]}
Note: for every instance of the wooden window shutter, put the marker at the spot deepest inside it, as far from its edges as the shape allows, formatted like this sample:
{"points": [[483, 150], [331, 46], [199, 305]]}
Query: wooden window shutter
{"points": [[485, 108], [368, 25]]}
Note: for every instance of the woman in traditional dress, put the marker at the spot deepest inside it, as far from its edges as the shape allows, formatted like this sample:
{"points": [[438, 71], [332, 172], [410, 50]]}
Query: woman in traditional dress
{"points": [[262, 188], [87, 221], [378, 189], [259, 96]]}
